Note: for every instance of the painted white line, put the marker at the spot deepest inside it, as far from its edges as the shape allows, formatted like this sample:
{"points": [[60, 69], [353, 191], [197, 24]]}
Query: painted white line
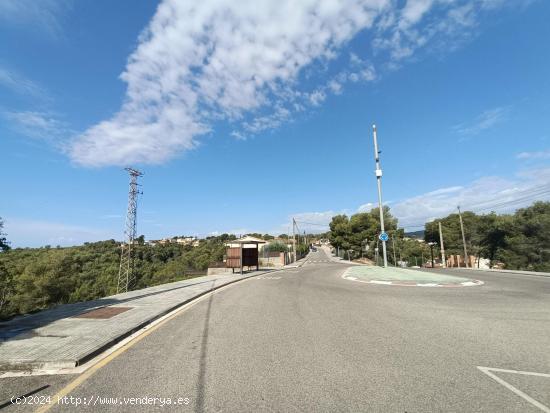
{"points": [[526, 397], [380, 282], [351, 278], [428, 285], [526, 373]]}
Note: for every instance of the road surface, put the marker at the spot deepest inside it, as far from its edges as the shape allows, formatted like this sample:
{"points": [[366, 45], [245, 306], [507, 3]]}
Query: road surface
{"points": [[305, 339]]}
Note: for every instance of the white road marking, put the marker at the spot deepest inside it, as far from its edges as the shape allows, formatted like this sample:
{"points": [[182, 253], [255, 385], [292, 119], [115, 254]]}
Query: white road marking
{"points": [[428, 285], [380, 282], [487, 371], [471, 283]]}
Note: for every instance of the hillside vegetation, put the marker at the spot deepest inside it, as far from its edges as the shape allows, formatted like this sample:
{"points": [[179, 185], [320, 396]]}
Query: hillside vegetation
{"points": [[32, 279]]}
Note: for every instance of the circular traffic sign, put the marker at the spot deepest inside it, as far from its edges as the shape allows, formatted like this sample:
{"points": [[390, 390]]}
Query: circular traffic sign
{"points": [[383, 236]]}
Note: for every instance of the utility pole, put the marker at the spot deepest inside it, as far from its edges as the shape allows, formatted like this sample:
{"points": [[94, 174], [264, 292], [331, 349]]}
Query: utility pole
{"points": [[431, 244], [126, 268], [463, 237], [443, 260], [378, 173], [393, 247], [294, 238]]}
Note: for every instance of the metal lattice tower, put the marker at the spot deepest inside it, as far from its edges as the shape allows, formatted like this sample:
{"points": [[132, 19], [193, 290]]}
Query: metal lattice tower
{"points": [[126, 270]]}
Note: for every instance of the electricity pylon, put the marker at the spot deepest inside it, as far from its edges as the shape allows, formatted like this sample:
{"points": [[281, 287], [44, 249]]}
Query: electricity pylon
{"points": [[126, 269]]}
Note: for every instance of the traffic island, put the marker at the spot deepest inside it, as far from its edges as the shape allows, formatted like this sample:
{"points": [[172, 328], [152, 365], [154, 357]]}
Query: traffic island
{"points": [[405, 277]]}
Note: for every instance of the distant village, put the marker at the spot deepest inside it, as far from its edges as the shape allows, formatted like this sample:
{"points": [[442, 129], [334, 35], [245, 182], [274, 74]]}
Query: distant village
{"points": [[193, 241]]}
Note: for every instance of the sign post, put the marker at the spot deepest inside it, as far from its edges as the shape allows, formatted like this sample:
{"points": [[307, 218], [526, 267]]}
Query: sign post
{"points": [[378, 173]]}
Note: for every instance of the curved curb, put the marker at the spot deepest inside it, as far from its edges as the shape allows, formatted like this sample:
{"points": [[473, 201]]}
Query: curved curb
{"points": [[9, 368], [468, 283]]}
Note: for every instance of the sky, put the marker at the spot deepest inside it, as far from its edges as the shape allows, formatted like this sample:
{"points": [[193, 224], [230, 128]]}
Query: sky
{"points": [[244, 115]]}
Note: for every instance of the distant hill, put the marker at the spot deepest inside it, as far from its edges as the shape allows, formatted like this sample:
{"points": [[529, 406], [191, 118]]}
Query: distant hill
{"points": [[415, 234]]}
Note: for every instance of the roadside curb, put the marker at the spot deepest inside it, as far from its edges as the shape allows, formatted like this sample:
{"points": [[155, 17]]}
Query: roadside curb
{"points": [[403, 283], [519, 272]]}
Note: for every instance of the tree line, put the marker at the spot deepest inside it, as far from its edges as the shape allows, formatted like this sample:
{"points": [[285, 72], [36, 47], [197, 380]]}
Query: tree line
{"points": [[33, 279], [515, 241], [519, 241]]}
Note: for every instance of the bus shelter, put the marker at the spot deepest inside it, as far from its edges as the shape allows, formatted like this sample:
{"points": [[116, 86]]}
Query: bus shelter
{"points": [[243, 252]]}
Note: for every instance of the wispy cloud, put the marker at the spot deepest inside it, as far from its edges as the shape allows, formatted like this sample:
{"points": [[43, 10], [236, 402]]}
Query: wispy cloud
{"points": [[539, 155], [483, 195], [43, 15], [491, 193], [483, 122], [19, 84], [198, 63], [38, 125]]}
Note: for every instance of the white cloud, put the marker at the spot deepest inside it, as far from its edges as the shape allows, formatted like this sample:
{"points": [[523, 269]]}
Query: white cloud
{"points": [[484, 121], [21, 85], [335, 87], [39, 125], [445, 24], [413, 12], [198, 63], [45, 15], [482, 196], [534, 155], [366, 207], [317, 97]]}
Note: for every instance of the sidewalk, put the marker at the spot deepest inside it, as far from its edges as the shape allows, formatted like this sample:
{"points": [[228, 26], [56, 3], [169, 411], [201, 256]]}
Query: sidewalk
{"points": [[69, 335]]}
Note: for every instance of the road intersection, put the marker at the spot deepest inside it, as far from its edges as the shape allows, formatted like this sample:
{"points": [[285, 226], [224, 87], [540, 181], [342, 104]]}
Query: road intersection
{"points": [[305, 339]]}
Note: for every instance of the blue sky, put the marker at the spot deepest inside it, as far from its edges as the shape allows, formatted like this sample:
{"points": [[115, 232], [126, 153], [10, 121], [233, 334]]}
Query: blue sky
{"points": [[244, 117]]}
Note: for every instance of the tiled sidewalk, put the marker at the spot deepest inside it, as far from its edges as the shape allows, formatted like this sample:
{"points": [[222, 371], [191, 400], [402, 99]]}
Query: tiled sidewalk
{"points": [[68, 335]]}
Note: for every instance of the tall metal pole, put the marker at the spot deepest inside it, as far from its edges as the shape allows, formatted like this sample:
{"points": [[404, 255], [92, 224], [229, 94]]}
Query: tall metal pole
{"points": [[126, 268], [443, 260], [294, 239], [378, 173], [463, 237], [393, 247]]}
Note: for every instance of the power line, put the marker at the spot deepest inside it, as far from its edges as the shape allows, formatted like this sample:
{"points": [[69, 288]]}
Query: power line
{"points": [[534, 194], [312, 223]]}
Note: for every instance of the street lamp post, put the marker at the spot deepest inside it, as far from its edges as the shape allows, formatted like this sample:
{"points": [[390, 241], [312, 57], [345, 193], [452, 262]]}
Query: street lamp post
{"points": [[378, 173], [431, 244]]}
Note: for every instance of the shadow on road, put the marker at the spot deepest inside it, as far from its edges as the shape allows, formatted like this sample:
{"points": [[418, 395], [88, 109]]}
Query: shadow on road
{"points": [[201, 381]]}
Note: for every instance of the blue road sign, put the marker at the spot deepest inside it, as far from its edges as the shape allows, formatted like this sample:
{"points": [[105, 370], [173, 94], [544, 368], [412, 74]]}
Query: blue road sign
{"points": [[383, 237]]}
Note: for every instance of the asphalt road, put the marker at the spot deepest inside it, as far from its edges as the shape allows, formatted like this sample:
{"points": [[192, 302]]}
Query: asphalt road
{"points": [[306, 340]]}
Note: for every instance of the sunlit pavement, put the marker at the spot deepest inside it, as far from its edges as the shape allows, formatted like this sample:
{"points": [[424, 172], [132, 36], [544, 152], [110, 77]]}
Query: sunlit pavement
{"points": [[306, 339]]}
